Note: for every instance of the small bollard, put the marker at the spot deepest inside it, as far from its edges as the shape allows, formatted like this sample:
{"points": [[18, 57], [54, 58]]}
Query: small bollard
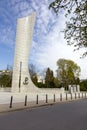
{"points": [[71, 96], [75, 95], [11, 102], [25, 104], [37, 99], [82, 95], [78, 95], [66, 97], [60, 96], [85, 95], [46, 98], [54, 98]]}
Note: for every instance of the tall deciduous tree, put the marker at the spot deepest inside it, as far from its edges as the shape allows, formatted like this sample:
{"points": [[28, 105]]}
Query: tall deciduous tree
{"points": [[83, 85], [56, 82], [33, 73], [76, 26], [5, 80], [68, 71], [49, 79]]}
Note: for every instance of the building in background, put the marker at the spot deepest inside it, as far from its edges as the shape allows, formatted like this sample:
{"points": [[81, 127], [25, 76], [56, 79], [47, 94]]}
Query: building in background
{"points": [[40, 79], [6, 72]]}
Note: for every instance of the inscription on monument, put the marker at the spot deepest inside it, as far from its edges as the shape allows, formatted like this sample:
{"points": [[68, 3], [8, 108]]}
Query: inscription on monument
{"points": [[26, 81]]}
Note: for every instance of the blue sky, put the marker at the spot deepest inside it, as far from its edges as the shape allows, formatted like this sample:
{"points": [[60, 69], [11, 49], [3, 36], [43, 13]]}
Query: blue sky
{"points": [[48, 44]]}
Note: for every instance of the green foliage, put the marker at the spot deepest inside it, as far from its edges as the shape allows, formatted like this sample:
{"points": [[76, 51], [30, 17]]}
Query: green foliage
{"points": [[49, 79], [68, 72], [56, 82], [76, 25], [5, 80], [83, 85], [33, 73], [34, 79], [41, 85]]}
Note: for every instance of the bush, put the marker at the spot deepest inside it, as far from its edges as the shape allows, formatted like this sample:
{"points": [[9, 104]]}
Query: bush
{"points": [[83, 85], [5, 80]]}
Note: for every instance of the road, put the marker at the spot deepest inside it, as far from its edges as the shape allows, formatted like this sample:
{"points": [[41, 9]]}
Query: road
{"points": [[61, 116]]}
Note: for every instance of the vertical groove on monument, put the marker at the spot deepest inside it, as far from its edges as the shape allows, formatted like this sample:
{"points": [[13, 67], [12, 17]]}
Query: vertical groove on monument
{"points": [[21, 80]]}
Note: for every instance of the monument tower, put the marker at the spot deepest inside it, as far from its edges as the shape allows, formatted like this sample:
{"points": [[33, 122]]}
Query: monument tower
{"points": [[21, 80]]}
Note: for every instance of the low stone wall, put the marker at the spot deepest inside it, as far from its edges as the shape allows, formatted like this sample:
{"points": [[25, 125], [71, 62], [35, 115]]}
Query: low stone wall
{"points": [[52, 90], [5, 89], [41, 90]]}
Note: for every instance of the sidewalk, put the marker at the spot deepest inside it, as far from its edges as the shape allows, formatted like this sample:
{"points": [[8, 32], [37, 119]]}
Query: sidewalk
{"points": [[29, 105], [30, 100]]}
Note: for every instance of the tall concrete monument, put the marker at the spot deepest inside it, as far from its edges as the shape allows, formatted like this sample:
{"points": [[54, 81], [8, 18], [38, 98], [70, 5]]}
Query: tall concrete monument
{"points": [[21, 79]]}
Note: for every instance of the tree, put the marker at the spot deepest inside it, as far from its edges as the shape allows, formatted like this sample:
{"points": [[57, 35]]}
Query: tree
{"points": [[9, 67], [33, 73], [49, 79], [76, 27], [83, 85], [5, 80], [56, 82], [68, 72]]}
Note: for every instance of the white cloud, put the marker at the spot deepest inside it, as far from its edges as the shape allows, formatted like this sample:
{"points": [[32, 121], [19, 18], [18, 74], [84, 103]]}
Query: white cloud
{"points": [[56, 48], [52, 52]]}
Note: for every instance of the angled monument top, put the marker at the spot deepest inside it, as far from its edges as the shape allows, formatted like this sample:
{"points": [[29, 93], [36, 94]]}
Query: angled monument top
{"points": [[21, 78], [32, 16]]}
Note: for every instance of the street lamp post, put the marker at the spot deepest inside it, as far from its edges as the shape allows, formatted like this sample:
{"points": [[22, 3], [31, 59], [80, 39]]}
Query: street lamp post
{"points": [[20, 76]]}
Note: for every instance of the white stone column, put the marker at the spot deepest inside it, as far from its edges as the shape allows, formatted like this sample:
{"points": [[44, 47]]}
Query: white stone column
{"points": [[78, 88], [21, 75]]}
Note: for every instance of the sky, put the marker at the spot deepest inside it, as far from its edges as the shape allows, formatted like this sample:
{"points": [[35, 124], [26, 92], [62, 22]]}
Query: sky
{"points": [[48, 43]]}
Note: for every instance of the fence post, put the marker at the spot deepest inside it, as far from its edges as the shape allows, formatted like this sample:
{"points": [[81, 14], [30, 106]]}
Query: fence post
{"points": [[25, 104], [66, 96], [54, 98], [46, 98], [11, 102], [71, 96], [75, 95], [37, 99], [85, 94], [82, 94], [60, 96]]}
